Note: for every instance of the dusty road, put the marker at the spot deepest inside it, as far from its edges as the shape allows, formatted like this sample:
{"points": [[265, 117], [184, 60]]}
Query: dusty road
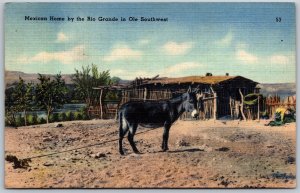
{"points": [[203, 154]]}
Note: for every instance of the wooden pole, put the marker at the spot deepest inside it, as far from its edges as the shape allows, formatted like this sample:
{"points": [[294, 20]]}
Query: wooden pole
{"points": [[258, 108], [101, 110], [145, 94], [215, 106], [215, 103], [230, 105], [242, 105]]}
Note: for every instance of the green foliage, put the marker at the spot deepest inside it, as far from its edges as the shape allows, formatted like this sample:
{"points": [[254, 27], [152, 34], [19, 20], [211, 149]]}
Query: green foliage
{"points": [[50, 94], [8, 122], [62, 116], [69, 116], [85, 116], [54, 117], [19, 121], [32, 119], [78, 115], [22, 97], [115, 80], [41, 120], [88, 78], [10, 109], [112, 96], [84, 113], [10, 119]]}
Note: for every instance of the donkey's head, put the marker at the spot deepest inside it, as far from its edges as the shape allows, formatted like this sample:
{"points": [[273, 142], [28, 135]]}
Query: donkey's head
{"points": [[190, 102]]}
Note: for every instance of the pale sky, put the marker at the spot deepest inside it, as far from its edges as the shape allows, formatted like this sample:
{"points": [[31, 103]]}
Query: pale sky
{"points": [[236, 38]]}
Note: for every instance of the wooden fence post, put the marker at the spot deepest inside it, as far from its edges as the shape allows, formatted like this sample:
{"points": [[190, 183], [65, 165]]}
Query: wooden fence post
{"points": [[145, 94], [242, 105], [215, 103], [101, 110], [231, 108], [258, 108]]}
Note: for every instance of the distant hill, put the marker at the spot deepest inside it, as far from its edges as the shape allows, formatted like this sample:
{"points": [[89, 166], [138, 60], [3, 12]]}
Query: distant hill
{"points": [[281, 89], [13, 76]]}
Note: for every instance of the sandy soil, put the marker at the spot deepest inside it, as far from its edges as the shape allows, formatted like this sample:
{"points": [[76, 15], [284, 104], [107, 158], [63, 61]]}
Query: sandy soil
{"points": [[203, 154]]}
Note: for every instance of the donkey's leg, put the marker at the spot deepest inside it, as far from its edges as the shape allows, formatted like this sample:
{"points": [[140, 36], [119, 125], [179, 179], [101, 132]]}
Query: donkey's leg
{"points": [[132, 130], [123, 128], [164, 145]]}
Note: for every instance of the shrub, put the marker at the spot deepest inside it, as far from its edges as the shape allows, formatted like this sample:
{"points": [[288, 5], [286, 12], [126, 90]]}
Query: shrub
{"points": [[62, 116], [32, 119], [53, 117], [78, 115], [69, 116], [10, 120], [84, 113], [41, 120], [85, 116], [19, 121]]}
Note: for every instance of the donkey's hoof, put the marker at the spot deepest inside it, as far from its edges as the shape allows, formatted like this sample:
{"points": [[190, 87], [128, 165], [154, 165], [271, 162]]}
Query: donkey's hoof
{"points": [[122, 153], [166, 149]]}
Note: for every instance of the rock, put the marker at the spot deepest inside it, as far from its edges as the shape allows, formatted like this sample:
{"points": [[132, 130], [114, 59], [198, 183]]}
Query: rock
{"points": [[222, 149], [182, 142], [225, 183], [48, 164], [59, 125], [290, 160], [98, 155], [46, 138]]}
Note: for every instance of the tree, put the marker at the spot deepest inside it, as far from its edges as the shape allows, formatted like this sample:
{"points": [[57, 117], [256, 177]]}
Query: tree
{"points": [[50, 94], [10, 108], [88, 78], [115, 80], [23, 97]]}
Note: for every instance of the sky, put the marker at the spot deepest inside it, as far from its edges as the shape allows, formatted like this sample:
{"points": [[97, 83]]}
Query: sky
{"points": [[254, 40]]}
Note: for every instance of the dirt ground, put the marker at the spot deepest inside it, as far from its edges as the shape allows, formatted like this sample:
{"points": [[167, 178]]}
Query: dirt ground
{"points": [[203, 154]]}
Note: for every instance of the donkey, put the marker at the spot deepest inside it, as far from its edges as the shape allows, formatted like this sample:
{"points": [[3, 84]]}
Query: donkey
{"points": [[154, 114]]}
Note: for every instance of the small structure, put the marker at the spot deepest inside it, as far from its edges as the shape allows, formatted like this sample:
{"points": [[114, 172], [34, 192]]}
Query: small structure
{"points": [[106, 108]]}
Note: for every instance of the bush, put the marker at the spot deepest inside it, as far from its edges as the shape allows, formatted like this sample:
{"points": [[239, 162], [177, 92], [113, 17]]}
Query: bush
{"points": [[69, 116], [84, 113], [32, 119], [85, 116], [41, 120], [10, 120], [53, 117], [78, 115], [19, 121], [62, 116]]}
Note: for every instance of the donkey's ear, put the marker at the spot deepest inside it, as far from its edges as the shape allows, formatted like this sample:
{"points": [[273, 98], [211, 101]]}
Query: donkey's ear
{"points": [[190, 89]]}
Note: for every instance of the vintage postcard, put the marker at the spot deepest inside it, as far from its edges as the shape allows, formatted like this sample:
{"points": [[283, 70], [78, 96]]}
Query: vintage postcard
{"points": [[150, 95]]}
